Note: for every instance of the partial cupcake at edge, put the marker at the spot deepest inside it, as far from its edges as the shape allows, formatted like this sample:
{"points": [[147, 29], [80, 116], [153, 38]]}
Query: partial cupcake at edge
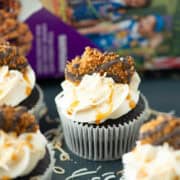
{"points": [[10, 8], [18, 82], [100, 106], [12, 30], [157, 153], [24, 151]]}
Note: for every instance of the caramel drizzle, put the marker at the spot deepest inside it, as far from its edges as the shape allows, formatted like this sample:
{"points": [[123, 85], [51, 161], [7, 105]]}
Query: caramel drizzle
{"points": [[132, 103], [28, 90], [26, 78], [6, 178], [103, 115], [100, 115], [72, 107]]}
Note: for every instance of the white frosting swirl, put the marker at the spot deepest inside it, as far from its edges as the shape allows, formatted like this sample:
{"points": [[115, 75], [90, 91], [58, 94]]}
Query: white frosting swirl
{"points": [[15, 86], [97, 98], [19, 155], [149, 162]]}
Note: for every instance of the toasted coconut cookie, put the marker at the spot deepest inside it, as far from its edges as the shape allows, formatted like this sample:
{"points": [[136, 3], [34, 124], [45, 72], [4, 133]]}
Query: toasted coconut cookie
{"points": [[10, 56], [10, 7], [17, 120], [160, 130], [92, 61]]}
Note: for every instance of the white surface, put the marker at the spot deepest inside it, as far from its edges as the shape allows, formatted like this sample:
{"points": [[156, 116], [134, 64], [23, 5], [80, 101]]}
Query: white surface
{"points": [[28, 8]]}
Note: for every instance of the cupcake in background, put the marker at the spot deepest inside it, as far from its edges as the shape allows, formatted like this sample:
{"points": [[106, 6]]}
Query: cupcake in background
{"points": [[100, 107], [12, 30], [18, 82], [10, 7], [24, 151], [160, 130], [157, 154]]}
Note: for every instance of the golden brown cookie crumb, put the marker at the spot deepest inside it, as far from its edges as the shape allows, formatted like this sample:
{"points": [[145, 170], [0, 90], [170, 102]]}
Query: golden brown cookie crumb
{"points": [[17, 120], [160, 130], [7, 26], [17, 34], [9, 55], [12, 30], [93, 61], [10, 7]]}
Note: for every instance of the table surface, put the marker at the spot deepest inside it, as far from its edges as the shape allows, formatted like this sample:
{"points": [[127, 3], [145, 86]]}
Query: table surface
{"points": [[162, 94]]}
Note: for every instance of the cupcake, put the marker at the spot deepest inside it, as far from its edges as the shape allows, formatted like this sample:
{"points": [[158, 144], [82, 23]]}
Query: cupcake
{"points": [[24, 151], [16, 33], [12, 30], [100, 107], [157, 154], [17, 82], [10, 8]]}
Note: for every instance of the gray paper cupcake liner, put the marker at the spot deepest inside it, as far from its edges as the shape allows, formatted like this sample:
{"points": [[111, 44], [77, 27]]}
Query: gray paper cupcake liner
{"points": [[40, 108], [102, 143], [47, 175]]}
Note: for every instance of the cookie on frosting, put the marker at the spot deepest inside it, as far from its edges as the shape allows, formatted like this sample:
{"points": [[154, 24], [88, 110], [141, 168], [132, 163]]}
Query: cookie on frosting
{"points": [[17, 34], [160, 130], [17, 120], [10, 7], [11, 29], [92, 61], [10, 56], [21, 37], [7, 26], [23, 148]]}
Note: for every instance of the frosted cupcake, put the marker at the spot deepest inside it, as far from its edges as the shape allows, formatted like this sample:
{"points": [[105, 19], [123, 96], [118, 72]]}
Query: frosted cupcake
{"points": [[10, 8], [24, 151], [157, 154], [12, 30], [101, 108], [18, 82]]}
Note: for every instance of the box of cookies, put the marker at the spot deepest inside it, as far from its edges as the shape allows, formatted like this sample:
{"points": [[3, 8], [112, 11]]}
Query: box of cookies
{"points": [[52, 32]]}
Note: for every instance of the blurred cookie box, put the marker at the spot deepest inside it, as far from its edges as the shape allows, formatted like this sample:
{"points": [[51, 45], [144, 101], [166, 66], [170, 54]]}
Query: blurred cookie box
{"points": [[50, 32]]}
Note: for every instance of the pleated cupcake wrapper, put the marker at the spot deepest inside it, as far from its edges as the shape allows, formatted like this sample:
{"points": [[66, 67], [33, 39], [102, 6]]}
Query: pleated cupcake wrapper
{"points": [[40, 108], [102, 143], [47, 175]]}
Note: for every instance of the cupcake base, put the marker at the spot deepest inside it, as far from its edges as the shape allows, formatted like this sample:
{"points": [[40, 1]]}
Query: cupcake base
{"points": [[109, 140], [125, 118], [44, 169], [35, 103]]}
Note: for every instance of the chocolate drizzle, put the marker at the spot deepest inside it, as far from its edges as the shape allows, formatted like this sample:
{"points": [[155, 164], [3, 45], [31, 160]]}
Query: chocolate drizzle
{"points": [[170, 138], [158, 128], [120, 69], [74, 78], [107, 65], [164, 129]]}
